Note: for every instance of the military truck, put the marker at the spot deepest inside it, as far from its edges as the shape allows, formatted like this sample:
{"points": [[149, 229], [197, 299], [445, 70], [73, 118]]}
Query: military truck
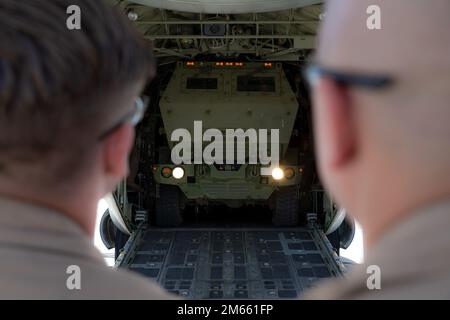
{"points": [[228, 95]]}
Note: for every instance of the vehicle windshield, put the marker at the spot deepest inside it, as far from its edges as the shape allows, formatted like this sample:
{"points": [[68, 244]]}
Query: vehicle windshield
{"points": [[255, 84], [201, 83]]}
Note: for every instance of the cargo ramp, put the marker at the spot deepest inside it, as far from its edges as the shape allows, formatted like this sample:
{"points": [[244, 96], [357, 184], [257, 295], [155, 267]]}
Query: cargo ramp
{"points": [[232, 263]]}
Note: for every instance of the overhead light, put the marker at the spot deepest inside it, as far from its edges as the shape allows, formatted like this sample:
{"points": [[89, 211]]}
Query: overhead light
{"points": [[277, 174], [178, 173]]}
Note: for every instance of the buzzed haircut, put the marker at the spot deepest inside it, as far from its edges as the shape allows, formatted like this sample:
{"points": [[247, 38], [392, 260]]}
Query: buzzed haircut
{"points": [[53, 81]]}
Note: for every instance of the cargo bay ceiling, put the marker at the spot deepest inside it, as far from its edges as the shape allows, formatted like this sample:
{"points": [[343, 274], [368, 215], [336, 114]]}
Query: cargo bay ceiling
{"points": [[263, 29]]}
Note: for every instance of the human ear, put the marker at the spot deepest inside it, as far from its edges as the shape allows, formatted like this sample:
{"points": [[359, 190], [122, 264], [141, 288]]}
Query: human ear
{"points": [[116, 149]]}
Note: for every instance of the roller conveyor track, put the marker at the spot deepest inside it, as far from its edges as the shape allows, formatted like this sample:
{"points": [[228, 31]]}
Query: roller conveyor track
{"points": [[232, 263]]}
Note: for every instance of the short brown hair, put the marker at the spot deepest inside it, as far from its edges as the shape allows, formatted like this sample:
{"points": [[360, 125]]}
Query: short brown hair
{"points": [[52, 79]]}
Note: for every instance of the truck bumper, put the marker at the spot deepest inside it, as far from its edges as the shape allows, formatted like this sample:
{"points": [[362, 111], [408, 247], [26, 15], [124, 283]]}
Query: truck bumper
{"points": [[242, 182]]}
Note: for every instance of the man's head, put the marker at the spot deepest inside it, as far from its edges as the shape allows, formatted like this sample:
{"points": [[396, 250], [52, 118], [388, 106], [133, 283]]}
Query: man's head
{"points": [[384, 150], [60, 91]]}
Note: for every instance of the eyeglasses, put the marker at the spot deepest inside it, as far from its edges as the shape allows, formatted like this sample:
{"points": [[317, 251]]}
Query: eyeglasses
{"points": [[133, 117], [314, 72]]}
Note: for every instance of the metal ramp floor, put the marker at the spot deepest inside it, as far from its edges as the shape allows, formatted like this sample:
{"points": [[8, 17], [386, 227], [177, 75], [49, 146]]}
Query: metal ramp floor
{"points": [[232, 263]]}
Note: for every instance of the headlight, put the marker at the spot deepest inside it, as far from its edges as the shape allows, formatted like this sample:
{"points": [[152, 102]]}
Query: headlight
{"points": [[178, 173], [277, 174]]}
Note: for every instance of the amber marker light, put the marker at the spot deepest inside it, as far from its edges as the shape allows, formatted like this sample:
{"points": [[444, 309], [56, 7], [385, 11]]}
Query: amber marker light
{"points": [[166, 172]]}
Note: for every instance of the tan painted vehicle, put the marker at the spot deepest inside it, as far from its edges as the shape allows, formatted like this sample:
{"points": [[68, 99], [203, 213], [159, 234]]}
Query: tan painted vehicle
{"points": [[226, 96]]}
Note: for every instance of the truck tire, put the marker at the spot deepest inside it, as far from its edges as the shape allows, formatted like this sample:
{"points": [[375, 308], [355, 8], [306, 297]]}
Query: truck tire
{"points": [[286, 209], [343, 236], [168, 213], [107, 230]]}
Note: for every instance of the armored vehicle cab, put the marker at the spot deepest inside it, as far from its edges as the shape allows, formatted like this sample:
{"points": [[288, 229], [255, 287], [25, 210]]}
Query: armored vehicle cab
{"points": [[225, 96]]}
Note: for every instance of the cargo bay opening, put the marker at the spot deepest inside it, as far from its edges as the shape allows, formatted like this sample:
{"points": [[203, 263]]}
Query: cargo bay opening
{"points": [[224, 230]]}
